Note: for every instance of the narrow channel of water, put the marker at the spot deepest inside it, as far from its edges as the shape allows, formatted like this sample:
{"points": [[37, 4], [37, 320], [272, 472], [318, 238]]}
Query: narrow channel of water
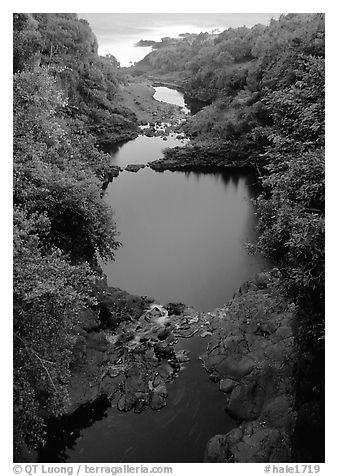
{"points": [[171, 96]]}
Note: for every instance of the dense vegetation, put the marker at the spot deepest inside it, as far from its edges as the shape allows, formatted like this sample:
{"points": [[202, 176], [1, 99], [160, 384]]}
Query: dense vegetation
{"points": [[239, 72], [68, 47], [265, 86], [265, 89], [63, 93]]}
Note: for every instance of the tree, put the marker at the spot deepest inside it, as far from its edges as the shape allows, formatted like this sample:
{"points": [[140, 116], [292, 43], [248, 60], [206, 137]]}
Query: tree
{"points": [[61, 223], [48, 292]]}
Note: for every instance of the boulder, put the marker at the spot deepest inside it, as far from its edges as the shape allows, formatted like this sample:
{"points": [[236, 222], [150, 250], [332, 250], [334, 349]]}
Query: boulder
{"points": [[251, 354], [246, 401], [134, 167], [227, 385], [250, 443]]}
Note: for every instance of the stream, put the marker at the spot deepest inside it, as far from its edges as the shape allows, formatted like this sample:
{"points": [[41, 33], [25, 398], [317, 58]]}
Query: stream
{"points": [[183, 238]]}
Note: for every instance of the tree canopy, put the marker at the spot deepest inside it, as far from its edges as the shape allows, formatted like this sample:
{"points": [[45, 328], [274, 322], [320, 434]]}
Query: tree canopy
{"points": [[61, 223]]}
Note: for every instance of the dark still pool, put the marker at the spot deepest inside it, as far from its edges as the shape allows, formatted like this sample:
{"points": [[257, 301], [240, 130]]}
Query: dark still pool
{"points": [[183, 235]]}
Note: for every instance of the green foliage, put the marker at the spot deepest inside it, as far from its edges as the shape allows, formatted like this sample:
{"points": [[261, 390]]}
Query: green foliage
{"points": [[51, 173], [68, 47], [291, 222], [63, 35], [61, 223], [254, 77], [265, 89], [298, 109], [47, 293], [27, 41]]}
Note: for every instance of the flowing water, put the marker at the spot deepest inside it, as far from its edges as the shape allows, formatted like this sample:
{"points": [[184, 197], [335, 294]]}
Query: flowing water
{"points": [[183, 238]]}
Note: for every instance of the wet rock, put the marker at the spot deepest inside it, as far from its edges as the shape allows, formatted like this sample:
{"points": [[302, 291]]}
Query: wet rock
{"points": [[218, 450], [134, 167], [159, 394], [246, 401], [278, 413], [213, 154], [251, 353], [229, 367], [129, 349], [154, 314], [157, 401], [164, 333], [121, 404], [250, 443], [227, 385], [162, 350], [175, 308], [165, 370], [113, 171], [134, 388], [183, 356], [151, 358], [109, 386]]}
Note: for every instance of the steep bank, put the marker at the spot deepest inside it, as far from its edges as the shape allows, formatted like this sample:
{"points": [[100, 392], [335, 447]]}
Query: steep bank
{"points": [[251, 354]]}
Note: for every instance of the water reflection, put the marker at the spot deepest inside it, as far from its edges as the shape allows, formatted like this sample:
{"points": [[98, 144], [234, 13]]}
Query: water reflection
{"points": [[141, 150], [171, 96], [63, 434], [183, 235]]}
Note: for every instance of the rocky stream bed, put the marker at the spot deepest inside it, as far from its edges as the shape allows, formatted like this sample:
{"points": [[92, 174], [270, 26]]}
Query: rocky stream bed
{"points": [[125, 350]]}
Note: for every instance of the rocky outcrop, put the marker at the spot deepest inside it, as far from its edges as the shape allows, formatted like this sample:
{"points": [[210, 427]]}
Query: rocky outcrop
{"points": [[134, 167], [251, 354], [112, 172], [200, 156], [125, 349]]}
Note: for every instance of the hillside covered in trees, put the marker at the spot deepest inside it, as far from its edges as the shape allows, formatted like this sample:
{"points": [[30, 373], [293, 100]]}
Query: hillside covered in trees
{"points": [[265, 86]]}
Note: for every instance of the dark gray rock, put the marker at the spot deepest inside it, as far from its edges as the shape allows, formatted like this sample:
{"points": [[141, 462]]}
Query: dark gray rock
{"points": [[227, 385], [251, 353], [249, 443], [134, 167]]}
